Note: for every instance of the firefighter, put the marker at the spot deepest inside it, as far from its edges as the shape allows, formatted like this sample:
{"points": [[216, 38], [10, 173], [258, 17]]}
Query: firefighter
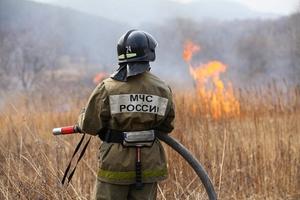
{"points": [[125, 111]]}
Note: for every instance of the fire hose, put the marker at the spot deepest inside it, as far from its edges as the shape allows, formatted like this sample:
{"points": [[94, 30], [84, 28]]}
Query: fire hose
{"points": [[173, 143]]}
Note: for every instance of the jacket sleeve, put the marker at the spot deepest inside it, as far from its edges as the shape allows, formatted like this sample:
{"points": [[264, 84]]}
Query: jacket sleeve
{"points": [[168, 123], [96, 113]]}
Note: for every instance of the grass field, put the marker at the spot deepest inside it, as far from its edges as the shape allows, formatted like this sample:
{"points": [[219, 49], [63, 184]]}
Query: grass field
{"points": [[252, 155]]}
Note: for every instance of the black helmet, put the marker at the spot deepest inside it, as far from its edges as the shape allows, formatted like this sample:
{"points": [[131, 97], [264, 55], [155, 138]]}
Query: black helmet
{"points": [[136, 46]]}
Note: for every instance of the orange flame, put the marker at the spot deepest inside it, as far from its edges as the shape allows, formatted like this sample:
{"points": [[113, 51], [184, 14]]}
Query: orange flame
{"points": [[216, 98], [189, 49], [99, 77]]}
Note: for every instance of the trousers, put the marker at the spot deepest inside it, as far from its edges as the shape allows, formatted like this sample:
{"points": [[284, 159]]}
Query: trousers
{"points": [[107, 191]]}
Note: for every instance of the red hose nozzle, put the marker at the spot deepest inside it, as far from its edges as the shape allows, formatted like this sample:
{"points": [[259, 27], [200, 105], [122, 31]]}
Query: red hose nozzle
{"points": [[66, 130]]}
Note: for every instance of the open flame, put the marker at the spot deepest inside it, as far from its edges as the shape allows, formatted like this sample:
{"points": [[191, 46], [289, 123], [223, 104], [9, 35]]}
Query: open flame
{"points": [[99, 77], [189, 49], [216, 97]]}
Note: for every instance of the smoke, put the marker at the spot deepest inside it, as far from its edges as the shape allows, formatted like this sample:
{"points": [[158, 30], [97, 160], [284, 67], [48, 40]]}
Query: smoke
{"points": [[255, 51]]}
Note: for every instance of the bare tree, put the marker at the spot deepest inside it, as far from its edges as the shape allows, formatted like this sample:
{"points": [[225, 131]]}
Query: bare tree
{"points": [[30, 59], [5, 72]]}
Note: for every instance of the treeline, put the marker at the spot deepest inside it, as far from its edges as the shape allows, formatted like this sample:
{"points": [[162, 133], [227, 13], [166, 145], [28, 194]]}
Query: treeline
{"points": [[39, 43]]}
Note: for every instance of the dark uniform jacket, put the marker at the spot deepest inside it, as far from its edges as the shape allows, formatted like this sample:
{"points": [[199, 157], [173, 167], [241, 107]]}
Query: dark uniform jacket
{"points": [[144, 102]]}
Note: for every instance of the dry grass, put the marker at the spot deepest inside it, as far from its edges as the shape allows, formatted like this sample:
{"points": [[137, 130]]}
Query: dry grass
{"points": [[253, 156]]}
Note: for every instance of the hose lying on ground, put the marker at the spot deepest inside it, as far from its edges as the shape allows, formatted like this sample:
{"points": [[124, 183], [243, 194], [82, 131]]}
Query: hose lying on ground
{"points": [[193, 162]]}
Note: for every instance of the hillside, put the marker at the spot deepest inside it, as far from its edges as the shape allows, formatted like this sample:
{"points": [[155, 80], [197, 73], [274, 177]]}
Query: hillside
{"points": [[76, 33], [158, 11]]}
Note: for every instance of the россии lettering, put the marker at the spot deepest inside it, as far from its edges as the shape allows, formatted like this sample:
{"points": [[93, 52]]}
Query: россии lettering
{"points": [[144, 107], [145, 103]]}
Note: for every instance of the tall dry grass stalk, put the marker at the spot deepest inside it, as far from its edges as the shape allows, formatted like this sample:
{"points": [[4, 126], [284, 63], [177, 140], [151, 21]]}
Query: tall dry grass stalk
{"points": [[251, 156]]}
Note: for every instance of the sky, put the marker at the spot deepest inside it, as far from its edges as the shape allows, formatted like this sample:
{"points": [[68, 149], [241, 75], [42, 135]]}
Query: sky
{"points": [[275, 6], [272, 6]]}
